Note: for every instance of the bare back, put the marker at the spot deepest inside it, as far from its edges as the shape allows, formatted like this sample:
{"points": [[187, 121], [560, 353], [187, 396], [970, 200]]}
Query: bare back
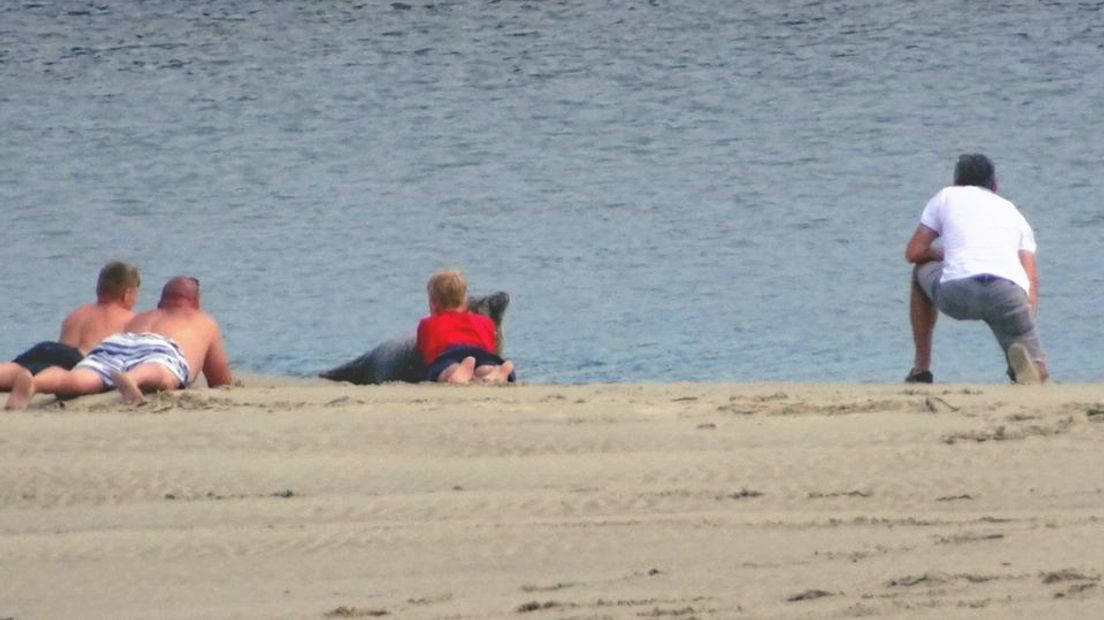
{"points": [[86, 326], [196, 333]]}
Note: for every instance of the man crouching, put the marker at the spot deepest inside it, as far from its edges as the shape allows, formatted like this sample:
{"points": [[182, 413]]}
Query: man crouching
{"points": [[985, 270]]}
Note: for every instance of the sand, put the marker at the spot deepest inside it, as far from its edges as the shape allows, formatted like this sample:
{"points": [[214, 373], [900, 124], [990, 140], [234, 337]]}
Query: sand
{"points": [[286, 498]]}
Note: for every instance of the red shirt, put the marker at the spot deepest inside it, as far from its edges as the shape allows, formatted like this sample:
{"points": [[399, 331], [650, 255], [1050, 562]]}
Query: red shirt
{"points": [[451, 328]]}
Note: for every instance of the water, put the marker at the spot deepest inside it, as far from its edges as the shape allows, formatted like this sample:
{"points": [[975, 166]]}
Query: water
{"points": [[707, 190]]}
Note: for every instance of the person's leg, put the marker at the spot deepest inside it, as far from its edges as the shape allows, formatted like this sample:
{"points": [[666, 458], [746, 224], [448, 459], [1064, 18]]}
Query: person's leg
{"points": [[77, 382], [484, 372], [8, 372], [1009, 317], [22, 390], [458, 373], [149, 377], [504, 371], [494, 373], [443, 376], [37, 359], [923, 314], [51, 380], [1021, 368], [1041, 367]]}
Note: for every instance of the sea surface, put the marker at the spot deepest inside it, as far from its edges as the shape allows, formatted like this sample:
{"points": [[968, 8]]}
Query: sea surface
{"points": [[707, 190]]}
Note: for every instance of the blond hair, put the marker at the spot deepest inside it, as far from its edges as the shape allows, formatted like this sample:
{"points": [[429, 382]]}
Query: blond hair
{"points": [[448, 290], [115, 278]]}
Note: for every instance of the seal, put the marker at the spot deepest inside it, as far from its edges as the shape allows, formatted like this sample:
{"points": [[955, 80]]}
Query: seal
{"points": [[398, 359]]}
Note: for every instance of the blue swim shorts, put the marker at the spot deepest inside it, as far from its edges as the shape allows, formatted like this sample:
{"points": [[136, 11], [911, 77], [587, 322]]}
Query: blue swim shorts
{"points": [[455, 355]]}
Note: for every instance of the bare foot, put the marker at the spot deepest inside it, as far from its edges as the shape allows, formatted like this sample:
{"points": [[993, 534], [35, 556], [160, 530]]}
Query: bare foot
{"points": [[22, 392], [132, 394], [504, 371], [463, 372], [494, 374], [485, 374]]}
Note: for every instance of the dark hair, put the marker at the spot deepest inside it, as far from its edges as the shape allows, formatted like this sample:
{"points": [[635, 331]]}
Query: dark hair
{"points": [[975, 169], [115, 278]]}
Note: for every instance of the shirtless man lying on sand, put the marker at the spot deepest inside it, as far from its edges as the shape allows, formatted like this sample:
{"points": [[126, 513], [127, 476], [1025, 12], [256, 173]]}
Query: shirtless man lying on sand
{"points": [[162, 349], [82, 329]]}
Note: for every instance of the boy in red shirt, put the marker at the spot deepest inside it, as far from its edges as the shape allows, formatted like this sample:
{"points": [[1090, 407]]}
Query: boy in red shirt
{"points": [[458, 345]]}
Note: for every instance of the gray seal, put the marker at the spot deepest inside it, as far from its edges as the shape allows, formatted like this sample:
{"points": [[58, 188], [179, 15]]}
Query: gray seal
{"points": [[398, 359]]}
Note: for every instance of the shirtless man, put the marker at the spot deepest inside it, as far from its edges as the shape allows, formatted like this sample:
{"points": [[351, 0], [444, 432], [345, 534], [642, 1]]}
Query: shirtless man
{"points": [[162, 349], [84, 328]]}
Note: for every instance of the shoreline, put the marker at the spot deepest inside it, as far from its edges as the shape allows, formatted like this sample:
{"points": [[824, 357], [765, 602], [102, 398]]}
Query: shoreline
{"points": [[302, 498]]}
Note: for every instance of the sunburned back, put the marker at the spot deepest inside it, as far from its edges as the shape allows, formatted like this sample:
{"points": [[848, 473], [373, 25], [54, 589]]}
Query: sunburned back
{"points": [[86, 326], [193, 330]]}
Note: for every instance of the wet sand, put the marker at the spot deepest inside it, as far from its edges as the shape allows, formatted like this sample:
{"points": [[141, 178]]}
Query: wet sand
{"points": [[287, 498]]}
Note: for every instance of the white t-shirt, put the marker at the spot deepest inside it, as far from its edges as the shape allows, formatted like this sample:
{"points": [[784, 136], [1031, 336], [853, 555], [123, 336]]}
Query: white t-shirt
{"points": [[981, 233]]}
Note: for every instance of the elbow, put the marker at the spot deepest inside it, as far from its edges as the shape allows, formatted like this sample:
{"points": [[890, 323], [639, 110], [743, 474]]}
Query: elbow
{"points": [[218, 379]]}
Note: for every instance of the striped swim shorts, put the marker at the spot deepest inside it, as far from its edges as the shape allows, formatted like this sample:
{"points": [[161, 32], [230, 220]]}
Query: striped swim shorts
{"points": [[122, 352]]}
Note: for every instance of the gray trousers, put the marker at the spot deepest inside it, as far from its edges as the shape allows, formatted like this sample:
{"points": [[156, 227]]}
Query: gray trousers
{"points": [[1001, 303]]}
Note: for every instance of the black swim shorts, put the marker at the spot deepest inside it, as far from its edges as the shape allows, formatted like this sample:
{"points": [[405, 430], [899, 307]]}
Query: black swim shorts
{"points": [[46, 354]]}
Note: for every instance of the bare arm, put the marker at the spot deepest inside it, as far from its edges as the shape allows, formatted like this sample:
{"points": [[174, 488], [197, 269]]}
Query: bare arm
{"points": [[216, 367], [1027, 259], [920, 249]]}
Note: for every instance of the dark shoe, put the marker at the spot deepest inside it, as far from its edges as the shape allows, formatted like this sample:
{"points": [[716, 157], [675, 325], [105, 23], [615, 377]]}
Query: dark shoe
{"points": [[919, 376]]}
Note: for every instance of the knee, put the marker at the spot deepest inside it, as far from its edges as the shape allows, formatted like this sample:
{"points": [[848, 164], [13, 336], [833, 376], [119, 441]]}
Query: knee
{"points": [[1015, 319]]}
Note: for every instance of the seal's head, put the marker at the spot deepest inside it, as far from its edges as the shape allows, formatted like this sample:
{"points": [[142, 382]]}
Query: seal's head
{"points": [[493, 305]]}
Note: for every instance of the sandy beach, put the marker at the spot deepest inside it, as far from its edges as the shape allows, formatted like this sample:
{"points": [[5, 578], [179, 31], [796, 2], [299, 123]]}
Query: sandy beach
{"points": [[288, 498]]}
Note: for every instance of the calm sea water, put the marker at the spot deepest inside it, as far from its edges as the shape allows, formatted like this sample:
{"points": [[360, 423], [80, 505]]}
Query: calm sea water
{"points": [[707, 190]]}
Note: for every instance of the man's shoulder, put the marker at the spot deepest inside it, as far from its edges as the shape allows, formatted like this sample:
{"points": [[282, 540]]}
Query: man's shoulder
{"points": [[80, 312], [188, 314], [939, 199], [91, 312], [998, 206], [451, 318], [210, 320], [198, 318], [964, 196], [959, 194]]}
